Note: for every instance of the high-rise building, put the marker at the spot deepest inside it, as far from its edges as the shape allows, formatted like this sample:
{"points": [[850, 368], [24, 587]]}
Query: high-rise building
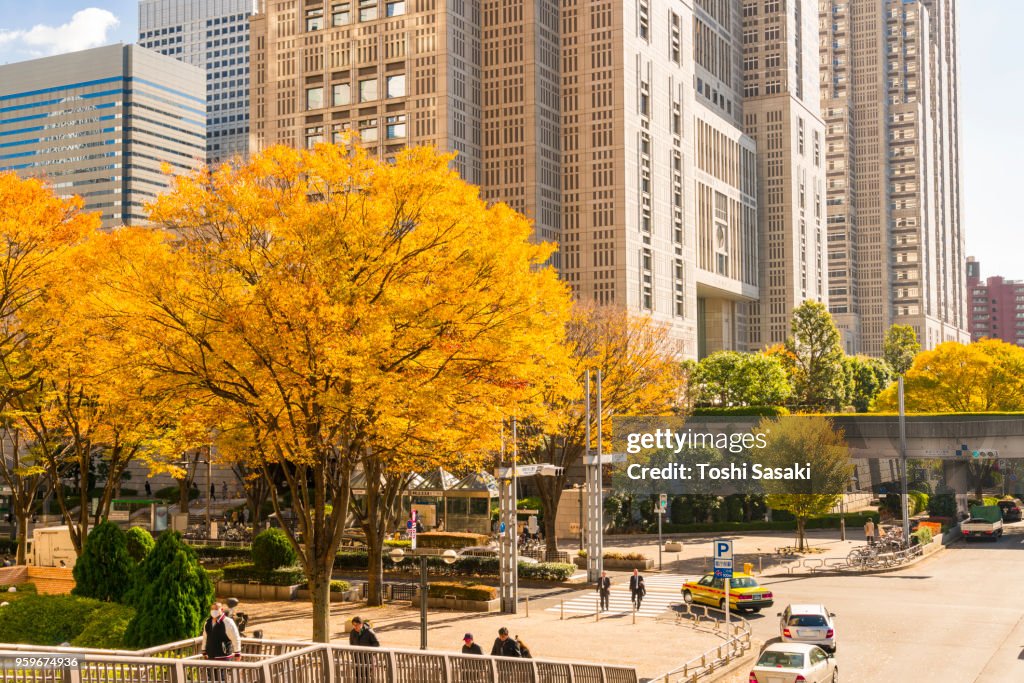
{"points": [[782, 112], [619, 134], [213, 35], [997, 306], [889, 87], [101, 123]]}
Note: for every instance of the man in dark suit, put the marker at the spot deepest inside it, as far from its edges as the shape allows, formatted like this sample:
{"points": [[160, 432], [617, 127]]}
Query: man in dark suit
{"points": [[604, 589], [637, 589]]}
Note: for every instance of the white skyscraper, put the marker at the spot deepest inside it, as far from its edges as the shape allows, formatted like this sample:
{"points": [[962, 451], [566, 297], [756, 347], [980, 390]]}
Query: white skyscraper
{"points": [[214, 35]]}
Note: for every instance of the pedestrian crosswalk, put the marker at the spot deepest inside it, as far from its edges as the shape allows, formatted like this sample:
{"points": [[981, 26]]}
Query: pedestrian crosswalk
{"points": [[662, 593]]}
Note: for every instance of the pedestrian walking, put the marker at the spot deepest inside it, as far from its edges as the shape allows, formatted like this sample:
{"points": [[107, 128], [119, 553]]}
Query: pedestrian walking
{"points": [[149, 489], [524, 651], [504, 646], [469, 647], [869, 531], [362, 662], [220, 641], [637, 588], [224, 490], [604, 588], [213, 491]]}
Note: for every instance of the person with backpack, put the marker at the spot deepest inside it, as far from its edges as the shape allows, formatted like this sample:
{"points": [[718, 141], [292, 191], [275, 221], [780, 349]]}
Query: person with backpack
{"points": [[524, 651], [504, 646], [362, 635]]}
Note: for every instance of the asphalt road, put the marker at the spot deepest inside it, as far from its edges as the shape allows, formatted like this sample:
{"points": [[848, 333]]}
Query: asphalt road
{"points": [[957, 617]]}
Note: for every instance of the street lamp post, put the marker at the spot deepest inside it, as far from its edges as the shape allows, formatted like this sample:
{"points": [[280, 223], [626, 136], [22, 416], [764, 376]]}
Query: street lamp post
{"points": [[903, 464], [209, 488], [449, 556]]}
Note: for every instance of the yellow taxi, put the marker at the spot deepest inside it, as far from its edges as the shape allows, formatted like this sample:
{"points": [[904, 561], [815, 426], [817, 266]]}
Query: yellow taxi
{"points": [[744, 592]]}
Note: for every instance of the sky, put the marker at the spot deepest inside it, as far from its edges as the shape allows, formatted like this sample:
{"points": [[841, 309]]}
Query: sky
{"points": [[992, 108]]}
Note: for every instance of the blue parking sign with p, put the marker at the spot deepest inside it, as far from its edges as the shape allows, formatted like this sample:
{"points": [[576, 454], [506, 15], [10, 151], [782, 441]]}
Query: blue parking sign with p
{"points": [[723, 550]]}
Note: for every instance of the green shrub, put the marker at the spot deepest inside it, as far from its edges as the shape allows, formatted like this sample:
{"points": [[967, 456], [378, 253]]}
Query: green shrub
{"points": [[547, 571], [272, 549], [106, 628], [923, 536], [462, 591], [340, 586], [450, 539], [922, 486], [215, 575], [104, 571], [397, 543], [171, 595], [244, 572], [918, 501], [46, 619], [942, 505], [18, 588], [220, 552], [140, 543]]}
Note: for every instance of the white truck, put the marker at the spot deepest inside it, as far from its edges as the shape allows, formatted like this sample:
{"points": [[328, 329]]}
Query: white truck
{"points": [[986, 521], [52, 547]]}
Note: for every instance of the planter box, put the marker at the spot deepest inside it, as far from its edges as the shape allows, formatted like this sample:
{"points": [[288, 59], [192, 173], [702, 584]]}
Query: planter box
{"points": [[628, 565], [460, 605], [673, 547], [256, 591], [351, 595], [580, 562]]}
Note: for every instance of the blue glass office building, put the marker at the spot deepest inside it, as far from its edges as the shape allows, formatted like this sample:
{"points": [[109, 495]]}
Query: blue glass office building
{"points": [[103, 124]]}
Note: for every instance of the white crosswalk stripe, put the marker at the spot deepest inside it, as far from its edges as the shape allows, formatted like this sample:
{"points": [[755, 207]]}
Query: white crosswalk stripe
{"points": [[662, 593]]}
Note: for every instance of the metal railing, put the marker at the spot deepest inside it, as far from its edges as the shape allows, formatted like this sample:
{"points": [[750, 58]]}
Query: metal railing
{"points": [[856, 562], [268, 661], [735, 637]]}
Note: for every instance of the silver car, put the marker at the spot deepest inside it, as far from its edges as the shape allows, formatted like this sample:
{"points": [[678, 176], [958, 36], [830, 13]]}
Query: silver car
{"points": [[794, 663], [808, 624]]}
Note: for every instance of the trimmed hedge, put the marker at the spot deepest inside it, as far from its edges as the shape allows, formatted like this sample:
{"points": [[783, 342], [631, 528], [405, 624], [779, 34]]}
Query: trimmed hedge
{"points": [[450, 539], [106, 628], [546, 571], [622, 556], [244, 572], [826, 522], [397, 543], [462, 591], [218, 552], [742, 411], [46, 619], [336, 586], [215, 575]]}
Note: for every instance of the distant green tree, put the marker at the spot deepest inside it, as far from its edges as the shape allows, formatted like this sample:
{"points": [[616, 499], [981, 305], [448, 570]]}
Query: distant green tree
{"points": [[866, 378], [171, 595], [140, 543], [819, 378], [104, 570], [272, 549], [900, 347], [730, 378]]}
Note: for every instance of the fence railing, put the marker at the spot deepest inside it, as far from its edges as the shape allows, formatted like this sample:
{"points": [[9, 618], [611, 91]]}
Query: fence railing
{"points": [[735, 637], [268, 661], [866, 562]]}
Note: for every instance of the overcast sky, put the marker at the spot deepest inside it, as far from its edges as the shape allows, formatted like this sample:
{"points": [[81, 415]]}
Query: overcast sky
{"points": [[992, 107]]}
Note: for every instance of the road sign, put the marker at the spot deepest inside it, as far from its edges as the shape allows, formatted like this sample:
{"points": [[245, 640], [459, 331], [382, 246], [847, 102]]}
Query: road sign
{"points": [[723, 549], [723, 564], [663, 501], [723, 573]]}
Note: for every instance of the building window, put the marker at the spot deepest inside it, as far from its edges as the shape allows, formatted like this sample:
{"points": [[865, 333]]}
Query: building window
{"points": [[315, 97], [338, 131], [395, 9], [315, 19], [817, 149], [645, 99], [396, 86], [368, 90], [643, 19], [342, 94], [341, 14], [314, 136], [367, 10], [395, 127], [368, 130]]}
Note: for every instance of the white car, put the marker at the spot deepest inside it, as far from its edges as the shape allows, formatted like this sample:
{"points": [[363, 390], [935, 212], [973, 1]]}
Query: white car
{"points": [[808, 624], [794, 663]]}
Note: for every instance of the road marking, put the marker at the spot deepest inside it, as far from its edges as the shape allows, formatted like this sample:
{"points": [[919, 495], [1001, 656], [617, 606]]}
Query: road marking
{"points": [[662, 594]]}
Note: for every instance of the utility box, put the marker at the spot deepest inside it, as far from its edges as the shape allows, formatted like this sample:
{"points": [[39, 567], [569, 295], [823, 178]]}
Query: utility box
{"points": [[52, 545]]}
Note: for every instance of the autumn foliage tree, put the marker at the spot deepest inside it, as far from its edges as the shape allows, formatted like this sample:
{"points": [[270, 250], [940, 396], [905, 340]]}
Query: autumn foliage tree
{"points": [[641, 376], [339, 308]]}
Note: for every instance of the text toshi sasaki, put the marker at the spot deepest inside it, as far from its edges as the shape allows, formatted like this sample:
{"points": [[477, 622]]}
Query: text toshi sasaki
{"points": [[731, 472]]}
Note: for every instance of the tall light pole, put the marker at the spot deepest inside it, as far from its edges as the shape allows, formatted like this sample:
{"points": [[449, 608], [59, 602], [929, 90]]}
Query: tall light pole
{"points": [[903, 463], [449, 557], [209, 485]]}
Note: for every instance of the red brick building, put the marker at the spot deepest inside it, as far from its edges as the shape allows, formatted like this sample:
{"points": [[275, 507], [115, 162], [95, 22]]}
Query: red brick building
{"points": [[997, 306]]}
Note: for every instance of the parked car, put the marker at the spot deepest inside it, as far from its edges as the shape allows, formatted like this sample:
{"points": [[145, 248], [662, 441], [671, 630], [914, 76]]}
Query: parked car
{"points": [[793, 662], [745, 593], [808, 624], [1012, 509]]}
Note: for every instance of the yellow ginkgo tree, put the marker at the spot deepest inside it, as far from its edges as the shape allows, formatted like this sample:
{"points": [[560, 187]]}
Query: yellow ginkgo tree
{"points": [[341, 309]]}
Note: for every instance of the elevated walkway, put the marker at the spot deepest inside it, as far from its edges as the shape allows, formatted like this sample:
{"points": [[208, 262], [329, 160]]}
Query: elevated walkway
{"points": [[266, 661]]}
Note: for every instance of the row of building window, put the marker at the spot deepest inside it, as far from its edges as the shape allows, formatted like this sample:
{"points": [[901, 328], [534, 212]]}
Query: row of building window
{"points": [[341, 13], [341, 93]]}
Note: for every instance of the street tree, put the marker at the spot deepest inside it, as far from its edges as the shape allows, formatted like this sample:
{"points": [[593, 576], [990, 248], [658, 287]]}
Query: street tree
{"points": [[104, 569], [817, 355], [641, 376], [983, 376], [334, 305], [800, 441], [38, 231], [900, 347], [866, 377]]}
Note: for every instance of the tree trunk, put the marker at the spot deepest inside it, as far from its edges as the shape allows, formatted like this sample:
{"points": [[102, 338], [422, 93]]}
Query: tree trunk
{"points": [[183, 495], [800, 523], [320, 590], [22, 519], [375, 573]]}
